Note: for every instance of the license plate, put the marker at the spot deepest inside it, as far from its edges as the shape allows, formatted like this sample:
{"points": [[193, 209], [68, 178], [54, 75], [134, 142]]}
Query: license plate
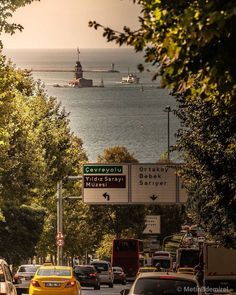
{"points": [[52, 284]]}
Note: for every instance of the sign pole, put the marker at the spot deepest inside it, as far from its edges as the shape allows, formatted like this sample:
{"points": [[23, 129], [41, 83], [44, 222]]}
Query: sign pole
{"points": [[59, 221]]}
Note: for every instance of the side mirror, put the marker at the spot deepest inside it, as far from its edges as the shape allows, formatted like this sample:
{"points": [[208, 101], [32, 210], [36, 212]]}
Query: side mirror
{"points": [[125, 292]]}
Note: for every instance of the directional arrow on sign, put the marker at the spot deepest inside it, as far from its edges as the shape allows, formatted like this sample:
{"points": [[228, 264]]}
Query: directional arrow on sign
{"points": [[106, 196], [153, 197]]}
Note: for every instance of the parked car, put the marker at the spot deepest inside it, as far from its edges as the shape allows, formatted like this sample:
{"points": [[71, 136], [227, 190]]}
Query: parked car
{"points": [[54, 280], [105, 272], [163, 283], [119, 275], [87, 276], [24, 275], [7, 286]]}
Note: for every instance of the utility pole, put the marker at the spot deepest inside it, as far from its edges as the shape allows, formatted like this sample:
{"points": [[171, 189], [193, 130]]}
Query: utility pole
{"points": [[59, 222], [60, 235]]}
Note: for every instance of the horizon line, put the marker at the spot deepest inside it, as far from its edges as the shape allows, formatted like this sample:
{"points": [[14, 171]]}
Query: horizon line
{"points": [[64, 48]]}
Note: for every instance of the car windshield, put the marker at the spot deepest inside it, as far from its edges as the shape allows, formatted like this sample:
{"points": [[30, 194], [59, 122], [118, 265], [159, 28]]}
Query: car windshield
{"points": [[84, 269], [117, 269], [163, 263], [157, 286], [28, 268], [54, 272], [101, 266]]}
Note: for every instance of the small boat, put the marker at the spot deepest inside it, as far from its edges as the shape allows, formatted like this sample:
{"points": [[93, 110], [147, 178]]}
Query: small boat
{"points": [[130, 79]]}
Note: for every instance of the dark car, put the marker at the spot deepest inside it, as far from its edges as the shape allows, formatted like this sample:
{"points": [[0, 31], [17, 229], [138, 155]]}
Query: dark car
{"points": [[119, 275], [87, 276]]}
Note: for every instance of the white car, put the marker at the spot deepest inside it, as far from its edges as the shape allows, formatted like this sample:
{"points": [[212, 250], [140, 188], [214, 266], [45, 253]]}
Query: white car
{"points": [[24, 275], [6, 281], [163, 283]]}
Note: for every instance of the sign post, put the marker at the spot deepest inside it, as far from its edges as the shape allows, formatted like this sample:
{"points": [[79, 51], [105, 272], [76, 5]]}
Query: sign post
{"points": [[153, 224], [153, 183], [105, 183], [132, 183]]}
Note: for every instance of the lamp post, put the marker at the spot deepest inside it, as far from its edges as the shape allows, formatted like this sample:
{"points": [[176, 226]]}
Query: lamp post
{"points": [[168, 110], [60, 236], [59, 222], [163, 242]]}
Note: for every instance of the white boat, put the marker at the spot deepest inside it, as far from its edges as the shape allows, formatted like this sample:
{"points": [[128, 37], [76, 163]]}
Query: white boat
{"points": [[130, 79]]}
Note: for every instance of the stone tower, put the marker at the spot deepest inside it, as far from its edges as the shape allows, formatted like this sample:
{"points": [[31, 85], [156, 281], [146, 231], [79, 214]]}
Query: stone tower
{"points": [[78, 68]]}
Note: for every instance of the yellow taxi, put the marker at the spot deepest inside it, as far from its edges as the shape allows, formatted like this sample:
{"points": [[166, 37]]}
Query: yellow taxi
{"points": [[50, 279]]}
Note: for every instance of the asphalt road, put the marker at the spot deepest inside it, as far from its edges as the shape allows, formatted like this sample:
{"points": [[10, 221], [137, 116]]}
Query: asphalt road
{"points": [[105, 290]]}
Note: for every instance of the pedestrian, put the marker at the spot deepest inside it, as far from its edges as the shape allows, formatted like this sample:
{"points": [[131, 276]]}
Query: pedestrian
{"points": [[158, 267]]}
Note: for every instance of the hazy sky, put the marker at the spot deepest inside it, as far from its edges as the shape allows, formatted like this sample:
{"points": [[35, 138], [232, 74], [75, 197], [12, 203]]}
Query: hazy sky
{"points": [[64, 23]]}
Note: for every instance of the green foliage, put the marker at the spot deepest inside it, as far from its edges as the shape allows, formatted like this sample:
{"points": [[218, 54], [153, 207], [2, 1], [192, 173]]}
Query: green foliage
{"points": [[7, 8], [104, 251], [20, 232], [192, 44], [37, 149]]}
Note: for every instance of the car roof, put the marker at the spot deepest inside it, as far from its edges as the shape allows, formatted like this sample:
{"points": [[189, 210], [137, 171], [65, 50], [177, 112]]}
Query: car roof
{"points": [[30, 265], [167, 275], [84, 265], [99, 261], [55, 267]]}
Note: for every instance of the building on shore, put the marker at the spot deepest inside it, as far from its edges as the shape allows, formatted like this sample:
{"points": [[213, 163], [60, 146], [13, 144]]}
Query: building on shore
{"points": [[79, 80]]}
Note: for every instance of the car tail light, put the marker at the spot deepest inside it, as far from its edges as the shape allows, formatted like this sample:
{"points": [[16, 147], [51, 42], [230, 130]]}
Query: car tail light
{"points": [[35, 283], [122, 274], [70, 284], [93, 275]]}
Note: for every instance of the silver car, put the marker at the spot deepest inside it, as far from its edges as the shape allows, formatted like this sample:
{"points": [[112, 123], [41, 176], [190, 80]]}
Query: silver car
{"points": [[105, 272], [24, 275]]}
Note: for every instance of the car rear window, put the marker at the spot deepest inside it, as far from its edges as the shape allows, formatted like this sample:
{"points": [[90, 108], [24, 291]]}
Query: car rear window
{"points": [[2, 277], [154, 286], [28, 268], [84, 269], [101, 266], [54, 272]]}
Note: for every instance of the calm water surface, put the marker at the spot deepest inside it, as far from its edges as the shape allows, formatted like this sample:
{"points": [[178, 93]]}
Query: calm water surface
{"points": [[123, 115]]}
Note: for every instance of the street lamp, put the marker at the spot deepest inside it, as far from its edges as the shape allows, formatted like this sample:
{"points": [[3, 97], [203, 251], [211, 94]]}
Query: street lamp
{"points": [[60, 216], [163, 242], [168, 110]]}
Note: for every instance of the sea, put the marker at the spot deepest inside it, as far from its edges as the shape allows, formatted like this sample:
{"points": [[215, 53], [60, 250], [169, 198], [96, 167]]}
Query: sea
{"points": [[132, 116]]}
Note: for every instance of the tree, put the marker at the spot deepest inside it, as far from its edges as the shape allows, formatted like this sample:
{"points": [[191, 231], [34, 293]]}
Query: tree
{"points": [[105, 249], [37, 150], [191, 43], [7, 7], [20, 232]]}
